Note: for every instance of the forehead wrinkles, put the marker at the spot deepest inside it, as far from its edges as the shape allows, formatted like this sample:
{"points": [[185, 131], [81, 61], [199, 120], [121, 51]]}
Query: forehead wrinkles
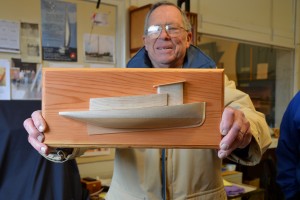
{"points": [[165, 15]]}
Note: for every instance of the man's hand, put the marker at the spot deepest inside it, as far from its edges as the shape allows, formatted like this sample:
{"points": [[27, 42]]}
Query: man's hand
{"points": [[236, 131], [35, 126]]}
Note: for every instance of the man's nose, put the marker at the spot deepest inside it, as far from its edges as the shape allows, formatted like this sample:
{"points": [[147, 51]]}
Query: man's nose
{"points": [[164, 33]]}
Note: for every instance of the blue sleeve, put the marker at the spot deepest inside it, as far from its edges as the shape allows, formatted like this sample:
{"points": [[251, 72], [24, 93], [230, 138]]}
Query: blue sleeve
{"points": [[287, 152]]}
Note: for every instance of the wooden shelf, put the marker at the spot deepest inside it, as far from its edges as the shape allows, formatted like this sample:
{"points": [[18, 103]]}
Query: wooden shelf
{"points": [[137, 18]]}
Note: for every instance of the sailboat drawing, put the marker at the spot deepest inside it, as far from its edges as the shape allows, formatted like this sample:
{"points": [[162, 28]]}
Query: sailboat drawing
{"points": [[67, 35], [163, 110]]}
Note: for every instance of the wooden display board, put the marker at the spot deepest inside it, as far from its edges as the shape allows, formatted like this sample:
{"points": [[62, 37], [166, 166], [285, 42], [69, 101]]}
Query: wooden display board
{"points": [[71, 90]]}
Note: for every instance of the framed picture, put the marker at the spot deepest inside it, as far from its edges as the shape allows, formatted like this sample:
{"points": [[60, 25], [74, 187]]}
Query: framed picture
{"points": [[96, 155], [99, 48]]}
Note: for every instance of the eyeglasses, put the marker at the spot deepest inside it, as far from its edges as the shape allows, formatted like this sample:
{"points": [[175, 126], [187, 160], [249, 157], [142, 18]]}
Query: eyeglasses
{"points": [[173, 30]]}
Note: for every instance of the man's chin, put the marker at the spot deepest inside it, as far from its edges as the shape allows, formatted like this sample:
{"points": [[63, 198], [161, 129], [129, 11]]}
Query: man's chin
{"points": [[166, 65]]}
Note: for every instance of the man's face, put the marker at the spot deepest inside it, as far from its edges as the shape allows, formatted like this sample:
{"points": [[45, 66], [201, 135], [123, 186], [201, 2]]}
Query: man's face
{"points": [[166, 50]]}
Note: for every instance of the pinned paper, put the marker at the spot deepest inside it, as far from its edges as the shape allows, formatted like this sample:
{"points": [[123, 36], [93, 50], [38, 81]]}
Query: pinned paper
{"points": [[262, 71], [4, 80]]}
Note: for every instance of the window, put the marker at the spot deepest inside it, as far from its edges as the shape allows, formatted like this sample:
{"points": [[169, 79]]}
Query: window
{"points": [[264, 72]]}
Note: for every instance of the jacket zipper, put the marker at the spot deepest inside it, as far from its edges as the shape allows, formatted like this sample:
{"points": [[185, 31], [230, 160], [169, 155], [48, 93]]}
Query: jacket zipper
{"points": [[163, 174]]}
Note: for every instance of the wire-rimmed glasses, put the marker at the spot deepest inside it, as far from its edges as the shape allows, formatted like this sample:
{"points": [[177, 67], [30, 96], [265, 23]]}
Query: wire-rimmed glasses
{"points": [[172, 30]]}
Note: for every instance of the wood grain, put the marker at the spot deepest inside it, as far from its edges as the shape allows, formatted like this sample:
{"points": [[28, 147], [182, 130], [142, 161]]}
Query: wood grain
{"points": [[71, 89]]}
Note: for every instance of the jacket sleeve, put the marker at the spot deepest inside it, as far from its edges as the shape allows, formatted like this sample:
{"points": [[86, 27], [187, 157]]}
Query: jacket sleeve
{"points": [[261, 138], [287, 151]]}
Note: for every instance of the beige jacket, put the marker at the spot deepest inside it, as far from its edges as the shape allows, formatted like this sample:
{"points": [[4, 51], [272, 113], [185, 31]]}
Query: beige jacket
{"points": [[193, 174]]}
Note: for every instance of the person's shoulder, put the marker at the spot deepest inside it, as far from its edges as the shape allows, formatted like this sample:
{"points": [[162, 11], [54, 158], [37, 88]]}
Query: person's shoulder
{"points": [[196, 50], [297, 96], [295, 101], [196, 58], [139, 60], [292, 112]]}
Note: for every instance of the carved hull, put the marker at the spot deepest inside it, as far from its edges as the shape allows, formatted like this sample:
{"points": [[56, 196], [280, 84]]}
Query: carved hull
{"points": [[185, 115]]}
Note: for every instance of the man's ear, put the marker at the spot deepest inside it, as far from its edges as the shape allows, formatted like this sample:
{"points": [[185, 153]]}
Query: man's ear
{"points": [[188, 39], [145, 41]]}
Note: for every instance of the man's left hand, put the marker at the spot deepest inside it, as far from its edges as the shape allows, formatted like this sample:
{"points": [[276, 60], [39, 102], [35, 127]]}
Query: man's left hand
{"points": [[236, 131]]}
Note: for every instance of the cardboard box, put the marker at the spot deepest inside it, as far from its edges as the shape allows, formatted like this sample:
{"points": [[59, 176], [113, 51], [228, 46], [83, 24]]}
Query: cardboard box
{"points": [[233, 176], [71, 90], [92, 185]]}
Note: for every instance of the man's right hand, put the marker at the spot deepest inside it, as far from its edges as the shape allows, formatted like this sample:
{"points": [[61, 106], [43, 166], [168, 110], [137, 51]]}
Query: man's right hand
{"points": [[35, 126]]}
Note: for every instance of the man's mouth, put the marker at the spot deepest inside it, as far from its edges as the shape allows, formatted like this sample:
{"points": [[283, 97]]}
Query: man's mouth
{"points": [[163, 48]]}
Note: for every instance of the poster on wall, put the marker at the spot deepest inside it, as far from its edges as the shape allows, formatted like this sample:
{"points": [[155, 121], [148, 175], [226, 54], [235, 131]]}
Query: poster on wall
{"points": [[25, 80], [9, 36], [4, 79], [30, 42], [99, 48], [59, 34]]}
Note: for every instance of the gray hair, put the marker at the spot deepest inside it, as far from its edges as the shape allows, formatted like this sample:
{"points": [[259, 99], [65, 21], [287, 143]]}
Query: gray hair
{"points": [[186, 23]]}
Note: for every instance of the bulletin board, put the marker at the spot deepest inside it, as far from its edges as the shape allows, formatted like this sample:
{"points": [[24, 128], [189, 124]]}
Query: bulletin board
{"points": [[85, 11], [26, 22]]}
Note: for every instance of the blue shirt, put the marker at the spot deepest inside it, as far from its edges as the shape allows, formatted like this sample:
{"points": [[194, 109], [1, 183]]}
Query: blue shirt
{"points": [[288, 151]]}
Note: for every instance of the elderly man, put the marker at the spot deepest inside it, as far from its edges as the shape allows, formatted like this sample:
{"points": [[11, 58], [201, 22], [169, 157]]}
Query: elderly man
{"points": [[178, 173]]}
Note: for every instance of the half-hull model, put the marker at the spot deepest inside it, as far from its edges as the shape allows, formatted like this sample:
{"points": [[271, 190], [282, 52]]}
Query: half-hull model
{"points": [[132, 108], [137, 113]]}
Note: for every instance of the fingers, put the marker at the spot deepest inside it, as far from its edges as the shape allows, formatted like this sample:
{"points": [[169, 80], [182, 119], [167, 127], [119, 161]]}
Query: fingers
{"points": [[35, 136], [246, 140], [236, 131], [40, 147], [38, 120], [227, 120]]}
